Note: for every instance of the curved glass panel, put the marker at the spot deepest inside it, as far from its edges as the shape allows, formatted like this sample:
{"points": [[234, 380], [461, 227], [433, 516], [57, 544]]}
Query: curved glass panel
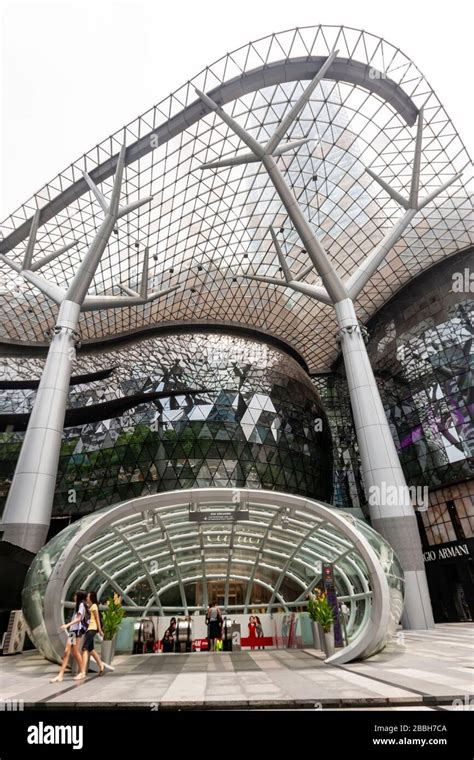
{"points": [[166, 560]]}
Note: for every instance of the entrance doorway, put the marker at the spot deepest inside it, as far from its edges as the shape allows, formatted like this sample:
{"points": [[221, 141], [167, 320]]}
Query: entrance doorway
{"points": [[451, 586]]}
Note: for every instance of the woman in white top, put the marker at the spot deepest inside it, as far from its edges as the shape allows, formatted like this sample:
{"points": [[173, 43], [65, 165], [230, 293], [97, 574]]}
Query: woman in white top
{"points": [[75, 629], [94, 627]]}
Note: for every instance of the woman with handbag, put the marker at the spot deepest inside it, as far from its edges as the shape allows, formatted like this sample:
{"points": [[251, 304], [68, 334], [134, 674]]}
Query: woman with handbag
{"points": [[94, 627], [75, 629]]}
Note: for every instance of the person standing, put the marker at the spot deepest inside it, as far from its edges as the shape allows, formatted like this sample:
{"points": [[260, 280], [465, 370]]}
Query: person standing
{"points": [[344, 614], [208, 627], [168, 639], [75, 629], [259, 629], [344, 609], [93, 628], [214, 617], [252, 632]]}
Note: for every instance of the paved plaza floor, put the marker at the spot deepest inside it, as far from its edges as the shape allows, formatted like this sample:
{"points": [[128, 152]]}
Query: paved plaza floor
{"points": [[425, 670]]}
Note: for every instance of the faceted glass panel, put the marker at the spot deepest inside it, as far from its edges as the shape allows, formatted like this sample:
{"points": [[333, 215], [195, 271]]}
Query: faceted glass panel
{"points": [[248, 414]]}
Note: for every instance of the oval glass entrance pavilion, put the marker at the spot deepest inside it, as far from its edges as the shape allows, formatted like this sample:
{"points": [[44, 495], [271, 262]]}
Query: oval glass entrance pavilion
{"points": [[164, 553]]}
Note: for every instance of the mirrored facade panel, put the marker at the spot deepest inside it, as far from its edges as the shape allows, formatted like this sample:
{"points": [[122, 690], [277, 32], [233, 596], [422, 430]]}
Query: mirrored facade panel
{"points": [[182, 411], [348, 486], [421, 348]]}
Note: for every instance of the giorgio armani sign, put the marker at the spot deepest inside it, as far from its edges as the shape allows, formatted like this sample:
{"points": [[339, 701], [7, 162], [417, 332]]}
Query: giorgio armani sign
{"points": [[447, 551]]}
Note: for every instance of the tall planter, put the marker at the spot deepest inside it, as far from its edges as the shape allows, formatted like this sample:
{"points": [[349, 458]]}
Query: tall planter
{"points": [[321, 612], [108, 650], [317, 635], [111, 620], [328, 642]]}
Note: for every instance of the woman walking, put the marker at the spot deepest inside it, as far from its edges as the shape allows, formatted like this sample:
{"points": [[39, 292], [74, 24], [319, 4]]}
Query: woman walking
{"points": [[75, 629], [88, 646]]}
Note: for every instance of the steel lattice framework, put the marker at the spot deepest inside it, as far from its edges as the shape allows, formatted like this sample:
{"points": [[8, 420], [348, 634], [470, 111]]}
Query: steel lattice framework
{"points": [[204, 230]]}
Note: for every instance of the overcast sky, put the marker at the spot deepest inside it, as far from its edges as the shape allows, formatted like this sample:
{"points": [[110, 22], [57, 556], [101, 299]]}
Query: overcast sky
{"points": [[74, 72]]}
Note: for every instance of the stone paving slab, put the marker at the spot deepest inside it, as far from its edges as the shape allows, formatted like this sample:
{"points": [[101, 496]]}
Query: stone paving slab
{"points": [[424, 669]]}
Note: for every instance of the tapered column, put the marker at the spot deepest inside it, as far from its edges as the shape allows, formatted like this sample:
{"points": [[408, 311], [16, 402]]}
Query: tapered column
{"points": [[391, 511], [27, 512]]}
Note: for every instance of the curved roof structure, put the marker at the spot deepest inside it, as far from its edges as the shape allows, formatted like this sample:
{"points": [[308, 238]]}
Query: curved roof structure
{"points": [[171, 542], [204, 229]]}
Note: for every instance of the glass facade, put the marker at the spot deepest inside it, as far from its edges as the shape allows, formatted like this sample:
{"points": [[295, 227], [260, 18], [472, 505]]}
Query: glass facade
{"points": [[450, 516], [420, 346], [421, 349], [348, 488], [248, 416], [447, 536]]}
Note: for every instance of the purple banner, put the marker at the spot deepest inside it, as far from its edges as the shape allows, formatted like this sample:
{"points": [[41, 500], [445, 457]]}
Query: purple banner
{"points": [[330, 589]]}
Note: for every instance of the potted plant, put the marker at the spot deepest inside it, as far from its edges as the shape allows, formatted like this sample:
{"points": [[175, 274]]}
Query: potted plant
{"points": [[111, 619], [321, 612], [317, 631]]}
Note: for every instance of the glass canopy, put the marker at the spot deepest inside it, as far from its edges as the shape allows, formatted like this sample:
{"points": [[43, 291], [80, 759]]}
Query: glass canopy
{"points": [[206, 229]]}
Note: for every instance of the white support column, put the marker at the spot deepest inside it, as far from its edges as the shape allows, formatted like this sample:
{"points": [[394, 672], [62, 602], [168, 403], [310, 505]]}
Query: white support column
{"points": [[27, 513], [391, 511], [28, 509]]}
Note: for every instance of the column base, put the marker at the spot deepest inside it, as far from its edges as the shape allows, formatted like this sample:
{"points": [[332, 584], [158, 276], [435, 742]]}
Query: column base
{"points": [[25, 535], [403, 536], [417, 612]]}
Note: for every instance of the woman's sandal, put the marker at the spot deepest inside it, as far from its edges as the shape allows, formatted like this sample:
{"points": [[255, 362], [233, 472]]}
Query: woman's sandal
{"points": [[102, 671], [79, 677], [57, 679]]}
